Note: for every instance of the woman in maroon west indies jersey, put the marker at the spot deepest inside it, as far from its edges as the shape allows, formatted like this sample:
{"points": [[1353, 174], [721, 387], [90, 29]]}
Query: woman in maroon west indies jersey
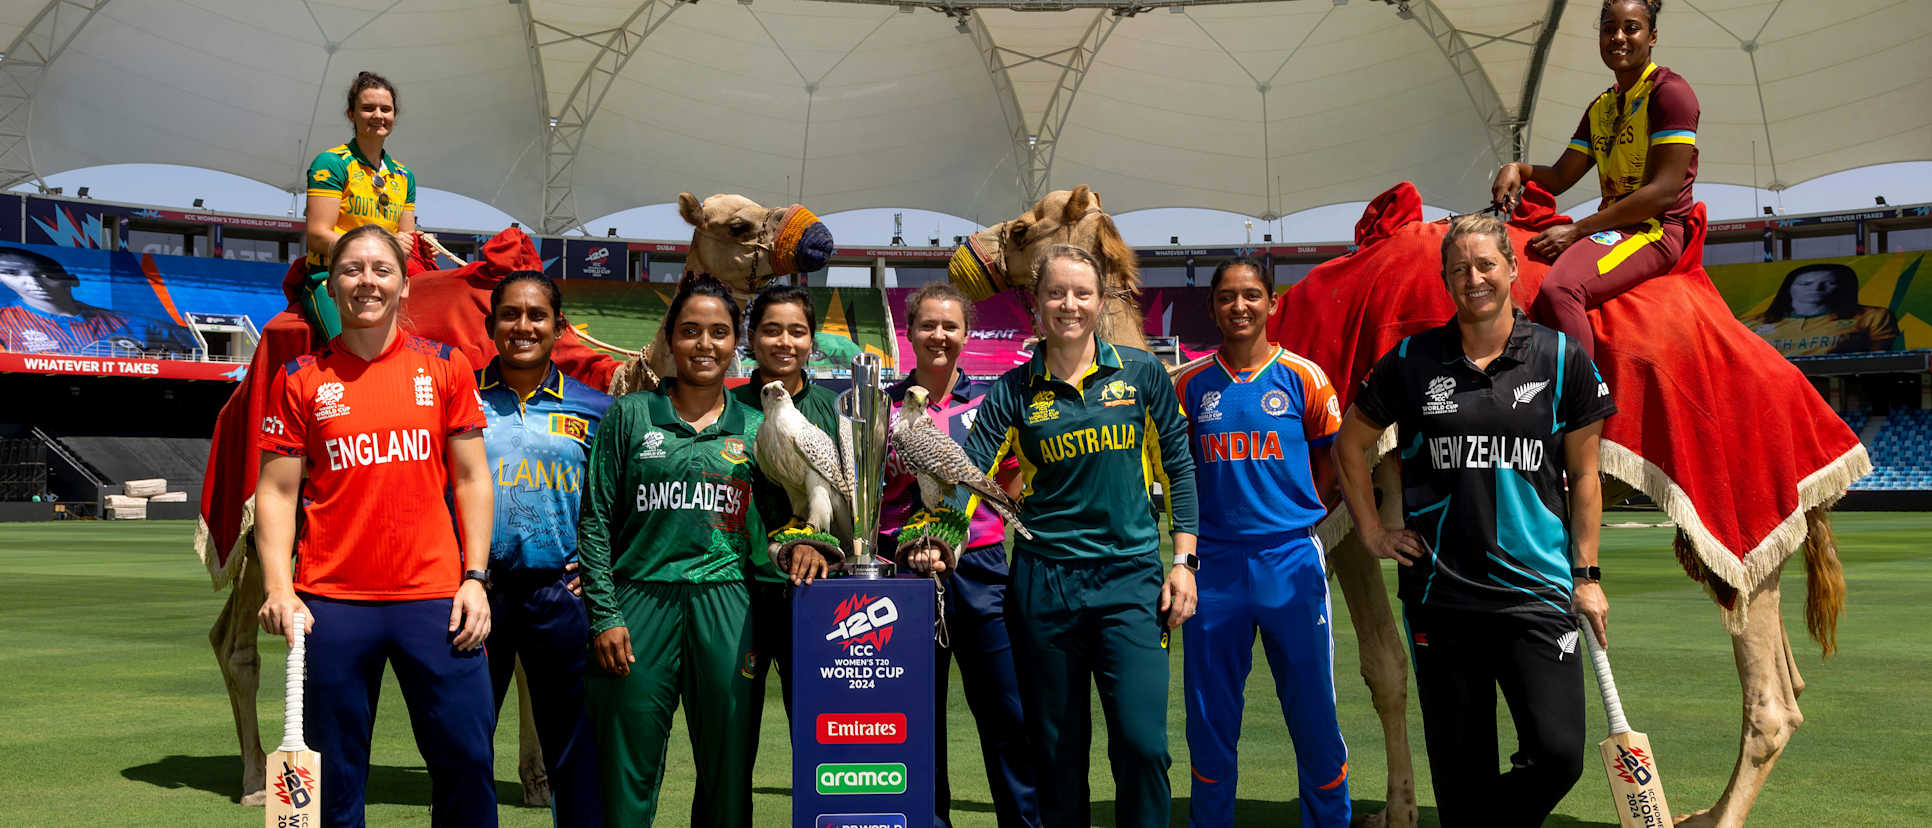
{"points": [[383, 422], [1641, 135]]}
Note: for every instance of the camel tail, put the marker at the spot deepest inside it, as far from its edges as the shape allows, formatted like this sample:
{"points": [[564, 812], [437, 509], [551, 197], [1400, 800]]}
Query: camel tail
{"points": [[1824, 582]]}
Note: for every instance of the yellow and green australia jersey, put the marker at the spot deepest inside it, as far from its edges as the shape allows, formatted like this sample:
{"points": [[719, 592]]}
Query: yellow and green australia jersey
{"points": [[376, 193], [1090, 448]]}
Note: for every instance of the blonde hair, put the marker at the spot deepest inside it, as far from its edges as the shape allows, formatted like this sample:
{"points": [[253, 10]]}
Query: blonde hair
{"points": [[1070, 252], [1477, 224]]}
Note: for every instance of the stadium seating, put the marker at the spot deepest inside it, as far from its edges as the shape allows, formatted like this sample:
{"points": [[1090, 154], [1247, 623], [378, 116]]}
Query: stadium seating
{"points": [[1901, 452], [118, 459]]}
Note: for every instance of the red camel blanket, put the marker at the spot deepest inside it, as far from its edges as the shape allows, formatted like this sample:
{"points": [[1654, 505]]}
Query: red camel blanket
{"points": [[1713, 424], [445, 305]]}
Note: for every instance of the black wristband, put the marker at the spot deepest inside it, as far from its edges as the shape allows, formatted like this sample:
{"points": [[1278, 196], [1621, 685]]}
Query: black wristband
{"points": [[1591, 573]]}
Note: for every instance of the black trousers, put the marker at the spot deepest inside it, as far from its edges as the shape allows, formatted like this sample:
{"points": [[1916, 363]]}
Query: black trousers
{"points": [[1461, 658]]}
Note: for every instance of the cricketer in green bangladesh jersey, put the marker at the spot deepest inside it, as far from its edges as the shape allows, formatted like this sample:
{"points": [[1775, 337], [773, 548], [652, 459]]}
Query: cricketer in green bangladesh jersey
{"points": [[664, 504], [1082, 445]]}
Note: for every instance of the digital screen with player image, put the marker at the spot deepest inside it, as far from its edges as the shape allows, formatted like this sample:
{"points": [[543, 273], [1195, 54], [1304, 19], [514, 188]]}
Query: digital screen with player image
{"points": [[84, 302]]}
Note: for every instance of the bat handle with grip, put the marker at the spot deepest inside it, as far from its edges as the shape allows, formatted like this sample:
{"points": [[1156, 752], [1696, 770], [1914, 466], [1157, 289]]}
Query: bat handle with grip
{"points": [[1606, 684], [292, 739]]}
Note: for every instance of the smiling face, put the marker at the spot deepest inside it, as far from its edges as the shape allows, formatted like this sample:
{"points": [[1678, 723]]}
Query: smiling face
{"points": [[703, 341], [782, 341], [1625, 35], [1069, 301], [374, 114], [524, 326], [938, 334], [367, 282], [1811, 293], [1240, 305], [1478, 278]]}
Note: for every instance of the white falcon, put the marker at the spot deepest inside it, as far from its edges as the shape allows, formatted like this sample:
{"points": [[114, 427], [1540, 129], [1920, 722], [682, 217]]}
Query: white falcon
{"points": [[939, 464], [803, 459]]}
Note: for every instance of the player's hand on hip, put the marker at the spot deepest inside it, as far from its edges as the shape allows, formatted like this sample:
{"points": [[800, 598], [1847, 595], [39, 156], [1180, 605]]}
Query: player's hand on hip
{"points": [[1403, 546], [469, 616], [1178, 596], [573, 581], [1594, 606], [279, 609], [613, 650]]}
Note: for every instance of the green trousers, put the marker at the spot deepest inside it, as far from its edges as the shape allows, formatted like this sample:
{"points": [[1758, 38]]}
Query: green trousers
{"points": [[691, 641], [319, 307], [1074, 620]]}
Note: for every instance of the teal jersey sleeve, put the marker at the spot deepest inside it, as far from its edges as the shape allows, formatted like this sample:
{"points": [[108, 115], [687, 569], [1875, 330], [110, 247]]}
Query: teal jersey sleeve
{"points": [[328, 174], [1175, 465], [602, 481], [986, 442]]}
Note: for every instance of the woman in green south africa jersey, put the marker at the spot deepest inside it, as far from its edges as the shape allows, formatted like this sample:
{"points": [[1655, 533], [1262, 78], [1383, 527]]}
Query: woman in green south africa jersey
{"points": [[353, 184], [666, 534]]}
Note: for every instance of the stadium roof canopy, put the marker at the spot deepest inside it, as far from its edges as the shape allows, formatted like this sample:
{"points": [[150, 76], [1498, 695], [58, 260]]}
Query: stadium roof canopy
{"points": [[557, 111]]}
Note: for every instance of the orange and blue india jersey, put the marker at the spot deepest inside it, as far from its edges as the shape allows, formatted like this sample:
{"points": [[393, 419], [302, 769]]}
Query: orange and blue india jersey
{"points": [[372, 437], [1618, 130], [377, 193], [1252, 433]]}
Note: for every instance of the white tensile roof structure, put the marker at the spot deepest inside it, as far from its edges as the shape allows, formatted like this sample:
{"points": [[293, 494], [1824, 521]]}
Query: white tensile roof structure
{"points": [[560, 111]]}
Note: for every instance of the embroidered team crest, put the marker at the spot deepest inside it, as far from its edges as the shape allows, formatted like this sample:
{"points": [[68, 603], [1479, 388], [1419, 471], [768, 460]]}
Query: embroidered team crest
{"points": [[1275, 402], [1118, 392], [574, 427], [734, 451], [1438, 392], [1528, 391], [321, 175], [425, 389], [328, 401], [1042, 409], [1566, 644], [1607, 237]]}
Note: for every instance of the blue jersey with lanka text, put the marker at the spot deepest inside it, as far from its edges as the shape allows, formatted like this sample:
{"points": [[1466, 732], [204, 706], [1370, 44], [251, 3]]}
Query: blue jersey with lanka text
{"points": [[1252, 433], [537, 446]]}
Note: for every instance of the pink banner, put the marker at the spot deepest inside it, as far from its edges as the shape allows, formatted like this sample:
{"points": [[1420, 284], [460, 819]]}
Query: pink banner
{"points": [[996, 342]]}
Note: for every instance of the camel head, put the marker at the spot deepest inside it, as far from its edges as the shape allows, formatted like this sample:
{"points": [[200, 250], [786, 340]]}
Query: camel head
{"points": [[743, 244], [1001, 257]]}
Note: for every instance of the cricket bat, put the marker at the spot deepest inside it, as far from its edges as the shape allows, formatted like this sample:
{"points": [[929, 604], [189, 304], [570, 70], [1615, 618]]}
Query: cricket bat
{"points": [[1636, 791], [294, 771]]}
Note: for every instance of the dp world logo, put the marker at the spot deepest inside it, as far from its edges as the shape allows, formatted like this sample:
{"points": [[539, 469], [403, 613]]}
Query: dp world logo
{"points": [[862, 778], [863, 621]]}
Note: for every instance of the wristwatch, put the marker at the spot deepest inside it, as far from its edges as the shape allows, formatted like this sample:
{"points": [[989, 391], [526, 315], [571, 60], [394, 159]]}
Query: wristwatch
{"points": [[1189, 560], [1588, 573], [480, 575]]}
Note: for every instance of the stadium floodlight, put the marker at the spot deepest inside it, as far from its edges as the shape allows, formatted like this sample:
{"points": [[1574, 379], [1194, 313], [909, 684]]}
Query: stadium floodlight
{"points": [[1173, 239], [198, 203], [1402, 10], [1767, 211], [82, 193], [961, 25], [934, 242], [1267, 237], [1879, 200], [611, 233], [959, 240]]}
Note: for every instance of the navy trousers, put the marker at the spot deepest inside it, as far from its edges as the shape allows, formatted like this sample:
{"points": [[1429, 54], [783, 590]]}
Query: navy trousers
{"points": [[447, 691], [534, 616], [976, 617]]}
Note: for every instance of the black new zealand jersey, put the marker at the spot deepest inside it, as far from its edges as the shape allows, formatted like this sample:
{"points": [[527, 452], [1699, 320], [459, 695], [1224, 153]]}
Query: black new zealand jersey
{"points": [[1482, 463]]}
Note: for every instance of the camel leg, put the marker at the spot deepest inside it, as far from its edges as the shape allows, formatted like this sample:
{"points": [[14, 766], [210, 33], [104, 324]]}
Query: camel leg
{"points": [[530, 767], [233, 638], [1384, 661], [1770, 682]]}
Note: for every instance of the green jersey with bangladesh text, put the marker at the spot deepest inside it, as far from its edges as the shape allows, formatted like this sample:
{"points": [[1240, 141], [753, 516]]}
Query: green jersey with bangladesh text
{"points": [[820, 407], [1090, 449], [664, 503]]}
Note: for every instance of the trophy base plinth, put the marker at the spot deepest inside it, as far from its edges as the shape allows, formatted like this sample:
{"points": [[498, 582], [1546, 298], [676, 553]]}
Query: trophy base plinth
{"points": [[868, 569]]}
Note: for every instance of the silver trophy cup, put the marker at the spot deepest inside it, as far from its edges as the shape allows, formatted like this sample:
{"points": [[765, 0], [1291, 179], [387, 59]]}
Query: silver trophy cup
{"points": [[863, 410]]}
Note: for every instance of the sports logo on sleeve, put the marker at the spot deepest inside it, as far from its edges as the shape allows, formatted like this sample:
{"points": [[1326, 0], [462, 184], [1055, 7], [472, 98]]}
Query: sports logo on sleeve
{"points": [[328, 401]]}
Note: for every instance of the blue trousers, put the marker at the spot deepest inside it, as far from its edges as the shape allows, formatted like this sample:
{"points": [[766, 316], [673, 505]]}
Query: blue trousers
{"points": [[1280, 591], [976, 616], [447, 691], [534, 616]]}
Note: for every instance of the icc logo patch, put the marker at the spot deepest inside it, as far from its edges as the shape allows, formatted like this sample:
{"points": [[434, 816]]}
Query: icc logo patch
{"points": [[1275, 402], [576, 428], [862, 619], [653, 446], [1042, 409]]}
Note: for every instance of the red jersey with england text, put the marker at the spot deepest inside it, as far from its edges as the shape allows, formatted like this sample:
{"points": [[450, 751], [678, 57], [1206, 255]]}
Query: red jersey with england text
{"points": [[372, 437]]}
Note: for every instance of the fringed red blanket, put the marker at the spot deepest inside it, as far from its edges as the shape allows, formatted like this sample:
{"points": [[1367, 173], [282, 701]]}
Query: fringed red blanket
{"points": [[1713, 424]]}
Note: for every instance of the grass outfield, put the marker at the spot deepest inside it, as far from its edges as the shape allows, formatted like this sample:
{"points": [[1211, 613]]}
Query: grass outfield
{"points": [[112, 711]]}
